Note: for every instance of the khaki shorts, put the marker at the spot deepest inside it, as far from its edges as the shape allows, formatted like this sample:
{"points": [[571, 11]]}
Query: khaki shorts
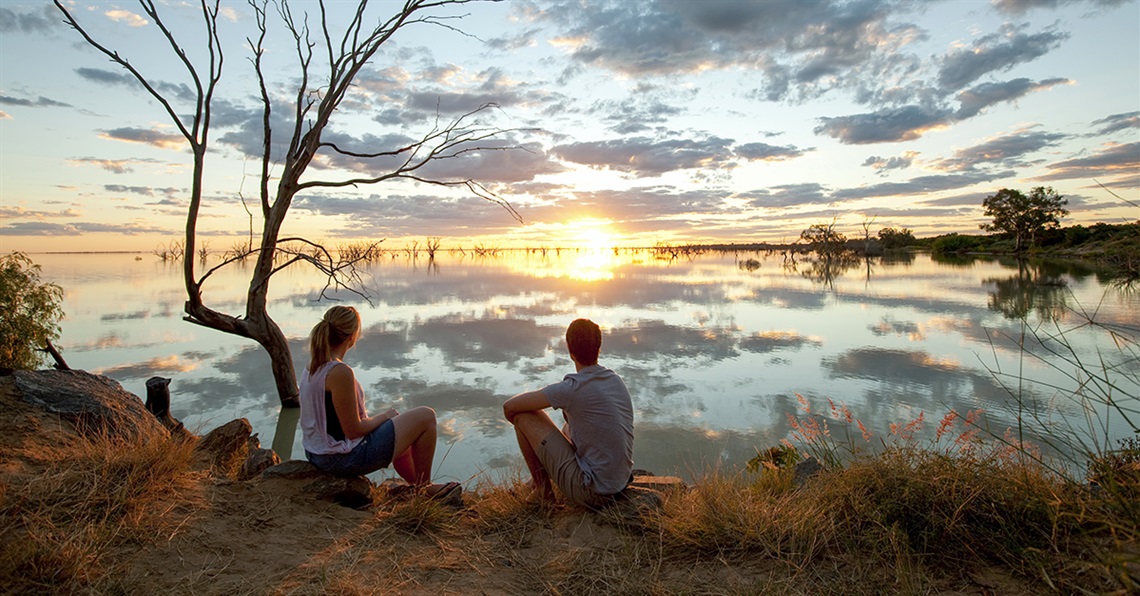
{"points": [[557, 457]]}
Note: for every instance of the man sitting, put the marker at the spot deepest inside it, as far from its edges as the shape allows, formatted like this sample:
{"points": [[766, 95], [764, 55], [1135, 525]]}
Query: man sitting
{"points": [[591, 458]]}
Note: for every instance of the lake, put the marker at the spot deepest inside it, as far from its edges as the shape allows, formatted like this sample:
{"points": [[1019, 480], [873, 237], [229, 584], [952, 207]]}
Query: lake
{"points": [[717, 348]]}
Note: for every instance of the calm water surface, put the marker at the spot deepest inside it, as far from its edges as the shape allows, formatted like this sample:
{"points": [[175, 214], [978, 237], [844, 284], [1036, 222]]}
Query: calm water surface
{"points": [[715, 349]]}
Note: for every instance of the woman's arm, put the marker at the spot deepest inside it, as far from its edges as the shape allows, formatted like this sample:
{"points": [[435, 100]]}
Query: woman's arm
{"points": [[342, 384], [530, 401]]}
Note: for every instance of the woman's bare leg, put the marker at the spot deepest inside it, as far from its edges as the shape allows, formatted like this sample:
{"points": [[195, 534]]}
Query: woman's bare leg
{"points": [[416, 434], [404, 466]]}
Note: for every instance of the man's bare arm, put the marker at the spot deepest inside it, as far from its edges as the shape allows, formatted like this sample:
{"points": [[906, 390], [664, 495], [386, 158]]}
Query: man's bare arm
{"points": [[529, 401]]}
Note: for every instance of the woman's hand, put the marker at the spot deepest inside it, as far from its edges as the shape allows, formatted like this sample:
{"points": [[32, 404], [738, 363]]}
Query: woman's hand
{"points": [[390, 414]]}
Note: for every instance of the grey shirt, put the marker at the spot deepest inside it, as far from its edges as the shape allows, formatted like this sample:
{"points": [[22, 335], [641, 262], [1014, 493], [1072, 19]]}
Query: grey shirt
{"points": [[599, 412]]}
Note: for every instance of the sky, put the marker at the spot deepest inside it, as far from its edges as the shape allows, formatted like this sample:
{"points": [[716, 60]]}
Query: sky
{"points": [[617, 123]]}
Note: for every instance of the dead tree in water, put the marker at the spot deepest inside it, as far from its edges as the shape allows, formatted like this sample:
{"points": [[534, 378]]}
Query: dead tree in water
{"points": [[320, 87]]}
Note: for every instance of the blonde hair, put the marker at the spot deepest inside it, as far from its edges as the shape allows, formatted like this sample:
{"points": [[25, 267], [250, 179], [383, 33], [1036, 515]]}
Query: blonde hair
{"points": [[340, 324]]}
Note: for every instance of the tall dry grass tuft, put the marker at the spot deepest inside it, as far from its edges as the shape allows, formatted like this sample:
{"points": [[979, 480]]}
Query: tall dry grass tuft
{"points": [[723, 516], [962, 498], [60, 521]]}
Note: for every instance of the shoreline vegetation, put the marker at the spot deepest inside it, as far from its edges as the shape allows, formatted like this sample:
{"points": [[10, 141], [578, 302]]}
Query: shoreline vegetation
{"points": [[1113, 246], [965, 512]]}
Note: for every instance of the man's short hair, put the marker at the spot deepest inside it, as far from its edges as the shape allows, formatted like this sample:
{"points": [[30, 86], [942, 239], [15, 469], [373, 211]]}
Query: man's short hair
{"points": [[584, 340]]}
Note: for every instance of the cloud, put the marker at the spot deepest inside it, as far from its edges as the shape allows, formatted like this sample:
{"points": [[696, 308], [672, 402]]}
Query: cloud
{"points": [[465, 339], [1006, 151], [999, 51], [643, 156], [524, 39], [907, 123], [644, 109], [117, 166], [1118, 122], [771, 341], [883, 164], [45, 20], [40, 102], [147, 191], [652, 340], [1115, 159], [639, 205], [1020, 7], [39, 228], [791, 195], [977, 98], [815, 46], [17, 211], [122, 78], [146, 136], [498, 158], [766, 152], [400, 215], [127, 17], [920, 185], [966, 200], [888, 125]]}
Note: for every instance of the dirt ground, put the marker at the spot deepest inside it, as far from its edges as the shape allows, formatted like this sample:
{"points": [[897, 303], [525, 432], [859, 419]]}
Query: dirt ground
{"points": [[207, 534]]}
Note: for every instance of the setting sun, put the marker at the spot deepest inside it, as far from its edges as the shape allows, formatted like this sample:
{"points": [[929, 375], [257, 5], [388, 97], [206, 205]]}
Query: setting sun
{"points": [[592, 234]]}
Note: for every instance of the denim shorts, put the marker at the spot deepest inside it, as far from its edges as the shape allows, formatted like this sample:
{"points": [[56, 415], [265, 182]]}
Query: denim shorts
{"points": [[372, 453]]}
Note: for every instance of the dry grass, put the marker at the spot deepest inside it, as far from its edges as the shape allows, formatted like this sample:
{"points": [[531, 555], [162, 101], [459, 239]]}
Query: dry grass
{"points": [[102, 517], [63, 522]]}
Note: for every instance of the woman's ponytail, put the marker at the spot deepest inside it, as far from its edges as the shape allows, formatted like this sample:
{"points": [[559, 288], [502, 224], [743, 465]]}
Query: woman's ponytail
{"points": [[339, 324]]}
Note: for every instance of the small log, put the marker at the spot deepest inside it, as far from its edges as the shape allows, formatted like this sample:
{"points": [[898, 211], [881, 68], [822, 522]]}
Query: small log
{"points": [[158, 403]]}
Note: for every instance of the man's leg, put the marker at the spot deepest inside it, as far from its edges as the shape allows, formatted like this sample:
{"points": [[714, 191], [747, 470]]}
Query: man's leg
{"points": [[530, 429]]}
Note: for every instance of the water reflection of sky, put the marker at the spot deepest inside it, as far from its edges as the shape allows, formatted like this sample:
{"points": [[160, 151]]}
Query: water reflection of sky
{"points": [[714, 350]]}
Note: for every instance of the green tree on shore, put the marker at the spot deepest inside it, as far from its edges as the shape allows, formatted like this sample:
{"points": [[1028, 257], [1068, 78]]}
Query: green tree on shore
{"points": [[1024, 217], [31, 312], [824, 240], [893, 238]]}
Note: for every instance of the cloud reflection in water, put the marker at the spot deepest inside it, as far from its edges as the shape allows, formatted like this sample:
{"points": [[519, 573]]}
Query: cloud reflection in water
{"points": [[713, 353]]}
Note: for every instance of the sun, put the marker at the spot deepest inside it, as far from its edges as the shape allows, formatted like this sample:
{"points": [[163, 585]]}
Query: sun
{"points": [[597, 239], [591, 234]]}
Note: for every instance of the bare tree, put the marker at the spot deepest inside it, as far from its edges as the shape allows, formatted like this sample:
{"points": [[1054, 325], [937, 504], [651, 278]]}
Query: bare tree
{"points": [[320, 89]]}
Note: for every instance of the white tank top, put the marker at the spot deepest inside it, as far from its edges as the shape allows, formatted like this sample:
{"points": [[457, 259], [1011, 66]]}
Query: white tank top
{"points": [[315, 413]]}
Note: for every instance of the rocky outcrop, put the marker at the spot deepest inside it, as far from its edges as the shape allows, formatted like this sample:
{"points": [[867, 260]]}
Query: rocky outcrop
{"points": [[224, 449], [352, 491], [805, 470], [92, 403]]}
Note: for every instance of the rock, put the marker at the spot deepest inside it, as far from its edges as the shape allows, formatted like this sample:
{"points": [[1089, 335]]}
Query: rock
{"points": [[94, 404], [225, 448], [350, 491], [354, 491], [805, 470], [294, 469], [634, 502], [258, 461]]}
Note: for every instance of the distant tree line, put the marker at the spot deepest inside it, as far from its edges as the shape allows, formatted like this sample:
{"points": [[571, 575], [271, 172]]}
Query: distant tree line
{"points": [[1019, 222]]}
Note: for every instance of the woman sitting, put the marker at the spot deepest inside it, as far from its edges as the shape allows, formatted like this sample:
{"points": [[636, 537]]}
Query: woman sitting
{"points": [[339, 435]]}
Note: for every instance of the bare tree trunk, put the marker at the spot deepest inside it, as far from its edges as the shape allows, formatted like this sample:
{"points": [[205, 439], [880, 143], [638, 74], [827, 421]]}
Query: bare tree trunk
{"points": [[281, 363], [315, 104]]}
